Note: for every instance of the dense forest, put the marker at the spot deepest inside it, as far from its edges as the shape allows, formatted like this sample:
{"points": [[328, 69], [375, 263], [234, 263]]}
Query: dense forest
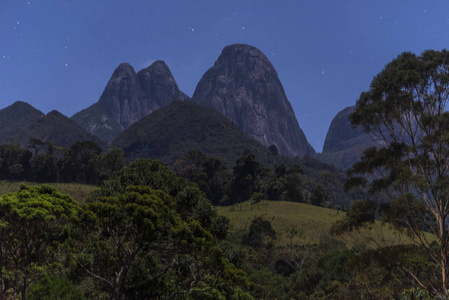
{"points": [[277, 178]]}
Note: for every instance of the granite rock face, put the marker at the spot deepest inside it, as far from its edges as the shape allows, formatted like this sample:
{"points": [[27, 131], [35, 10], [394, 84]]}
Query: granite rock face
{"points": [[340, 131], [344, 145], [128, 97], [244, 86]]}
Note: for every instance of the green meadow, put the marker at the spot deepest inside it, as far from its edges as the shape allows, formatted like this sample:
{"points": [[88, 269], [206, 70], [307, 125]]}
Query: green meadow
{"points": [[300, 223]]}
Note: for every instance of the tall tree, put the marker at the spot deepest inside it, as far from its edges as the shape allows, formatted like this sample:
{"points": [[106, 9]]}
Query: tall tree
{"points": [[123, 249], [209, 173], [14, 162], [406, 112], [318, 195], [81, 163], [248, 173], [111, 160]]}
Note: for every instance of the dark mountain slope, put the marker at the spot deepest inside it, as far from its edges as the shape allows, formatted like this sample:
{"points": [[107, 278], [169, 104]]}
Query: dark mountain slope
{"points": [[128, 97], [244, 86], [172, 131], [21, 122], [14, 119]]}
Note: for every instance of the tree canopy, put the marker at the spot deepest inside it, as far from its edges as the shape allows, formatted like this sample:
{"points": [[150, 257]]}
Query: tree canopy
{"points": [[405, 110], [34, 222]]}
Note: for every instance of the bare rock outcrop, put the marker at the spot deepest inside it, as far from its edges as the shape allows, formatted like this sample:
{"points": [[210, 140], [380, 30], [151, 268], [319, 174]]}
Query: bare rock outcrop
{"points": [[344, 144], [128, 97], [244, 86]]}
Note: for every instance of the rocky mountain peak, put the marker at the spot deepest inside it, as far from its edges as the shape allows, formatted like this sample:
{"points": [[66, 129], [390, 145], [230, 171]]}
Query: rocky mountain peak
{"points": [[128, 97], [244, 86], [344, 144], [124, 69], [121, 95], [157, 81], [340, 131], [246, 60]]}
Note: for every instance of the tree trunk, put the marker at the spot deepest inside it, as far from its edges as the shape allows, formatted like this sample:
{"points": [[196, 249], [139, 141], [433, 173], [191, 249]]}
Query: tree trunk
{"points": [[443, 252]]}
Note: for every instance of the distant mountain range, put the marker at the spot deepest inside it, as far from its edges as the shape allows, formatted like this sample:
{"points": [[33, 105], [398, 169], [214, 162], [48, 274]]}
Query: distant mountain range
{"points": [[242, 85], [145, 114], [20, 122]]}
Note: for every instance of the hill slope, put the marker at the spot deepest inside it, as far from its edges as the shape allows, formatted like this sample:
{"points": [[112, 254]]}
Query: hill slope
{"points": [[21, 122], [311, 223], [173, 130], [244, 86]]}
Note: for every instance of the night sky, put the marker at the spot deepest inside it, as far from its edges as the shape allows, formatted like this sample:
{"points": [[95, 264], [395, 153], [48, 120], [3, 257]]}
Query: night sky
{"points": [[57, 54]]}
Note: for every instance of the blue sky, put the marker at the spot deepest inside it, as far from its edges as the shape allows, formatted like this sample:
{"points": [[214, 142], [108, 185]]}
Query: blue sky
{"points": [[58, 54]]}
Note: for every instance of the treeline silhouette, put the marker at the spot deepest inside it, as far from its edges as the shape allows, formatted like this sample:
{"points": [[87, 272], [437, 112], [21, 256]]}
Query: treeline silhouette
{"points": [[83, 162]]}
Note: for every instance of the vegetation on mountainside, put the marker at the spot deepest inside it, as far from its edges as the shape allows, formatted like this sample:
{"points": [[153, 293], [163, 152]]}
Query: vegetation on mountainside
{"points": [[171, 131]]}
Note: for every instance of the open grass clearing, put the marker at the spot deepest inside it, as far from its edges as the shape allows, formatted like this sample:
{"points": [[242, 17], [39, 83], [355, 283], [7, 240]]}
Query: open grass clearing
{"points": [[301, 223]]}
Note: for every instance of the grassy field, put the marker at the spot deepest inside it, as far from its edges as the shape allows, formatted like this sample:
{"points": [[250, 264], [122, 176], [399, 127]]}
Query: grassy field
{"points": [[300, 223], [79, 192]]}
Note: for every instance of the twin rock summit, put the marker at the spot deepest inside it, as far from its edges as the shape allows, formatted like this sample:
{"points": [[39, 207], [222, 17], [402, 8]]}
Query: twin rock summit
{"points": [[242, 85]]}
